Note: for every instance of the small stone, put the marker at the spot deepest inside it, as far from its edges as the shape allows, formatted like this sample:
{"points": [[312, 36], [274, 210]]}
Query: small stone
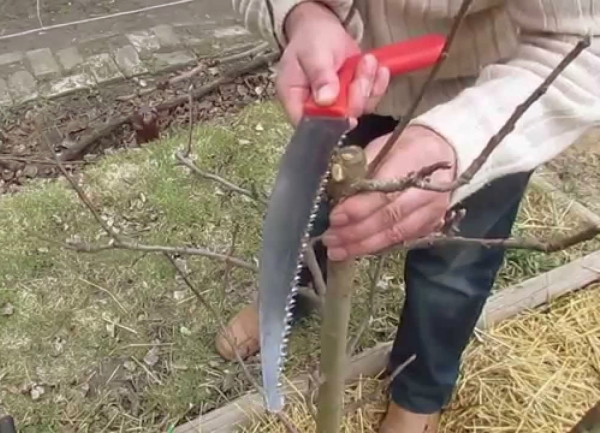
{"points": [[7, 175], [5, 99], [129, 61], [259, 127], [129, 366], [230, 32], [177, 58], [69, 84], [30, 171], [23, 85], [166, 35], [185, 331], [36, 392], [178, 295], [8, 58], [144, 41], [151, 357], [42, 62], [69, 58], [103, 68], [7, 309]]}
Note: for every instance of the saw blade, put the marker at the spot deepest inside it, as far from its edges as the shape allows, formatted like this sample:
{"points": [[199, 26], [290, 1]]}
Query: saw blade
{"points": [[293, 205]]}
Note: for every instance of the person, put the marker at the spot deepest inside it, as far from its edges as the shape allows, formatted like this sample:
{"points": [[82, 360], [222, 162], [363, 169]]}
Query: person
{"points": [[502, 52]]}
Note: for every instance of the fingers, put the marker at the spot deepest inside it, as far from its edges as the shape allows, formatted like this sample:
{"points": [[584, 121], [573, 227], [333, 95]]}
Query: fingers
{"points": [[369, 85], [292, 88], [417, 224], [381, 219], [321, 74]]}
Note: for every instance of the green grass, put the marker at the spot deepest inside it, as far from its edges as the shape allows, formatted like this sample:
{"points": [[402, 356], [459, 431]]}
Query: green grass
{"points": [[83, 324]]}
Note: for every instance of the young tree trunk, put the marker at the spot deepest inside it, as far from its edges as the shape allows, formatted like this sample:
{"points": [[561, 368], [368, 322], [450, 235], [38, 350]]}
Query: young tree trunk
{"points": [[348, 165]]}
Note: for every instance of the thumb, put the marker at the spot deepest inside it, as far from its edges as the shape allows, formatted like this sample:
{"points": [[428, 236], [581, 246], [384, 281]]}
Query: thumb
{"points": [[321, 74]]}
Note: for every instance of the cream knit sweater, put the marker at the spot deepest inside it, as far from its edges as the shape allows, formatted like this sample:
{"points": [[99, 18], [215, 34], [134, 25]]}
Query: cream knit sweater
{"points": [[504, 50]]}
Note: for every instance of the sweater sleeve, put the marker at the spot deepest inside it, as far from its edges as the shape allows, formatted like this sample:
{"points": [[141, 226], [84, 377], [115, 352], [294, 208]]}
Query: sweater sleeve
{"points": [[571, 106], [266, 17]]}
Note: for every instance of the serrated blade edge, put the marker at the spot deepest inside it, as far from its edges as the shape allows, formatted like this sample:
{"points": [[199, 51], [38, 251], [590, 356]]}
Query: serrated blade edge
{"points": [[299, 187]]}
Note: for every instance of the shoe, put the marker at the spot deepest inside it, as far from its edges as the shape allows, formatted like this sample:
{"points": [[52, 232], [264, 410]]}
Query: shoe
{"points": [[243, 331], [400, 420], [243, 328]]}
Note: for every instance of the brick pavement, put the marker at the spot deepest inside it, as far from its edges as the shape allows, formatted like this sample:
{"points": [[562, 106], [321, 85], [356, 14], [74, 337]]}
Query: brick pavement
{"points": [[90, 62]]}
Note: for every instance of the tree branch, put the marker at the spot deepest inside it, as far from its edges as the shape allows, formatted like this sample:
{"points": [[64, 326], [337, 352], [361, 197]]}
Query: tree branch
{"points": [[422, 181], [281, 416], [184, 160], [135, 246], [583, 235], [119, 242], [405, 120]]}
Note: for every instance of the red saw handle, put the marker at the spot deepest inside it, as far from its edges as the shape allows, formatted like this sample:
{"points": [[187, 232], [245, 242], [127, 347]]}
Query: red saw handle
{"points": [[399, 58]]}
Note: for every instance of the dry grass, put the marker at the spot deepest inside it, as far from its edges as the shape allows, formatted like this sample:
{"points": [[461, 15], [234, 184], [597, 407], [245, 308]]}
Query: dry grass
{"points": [[538, 372], [114, 340]]}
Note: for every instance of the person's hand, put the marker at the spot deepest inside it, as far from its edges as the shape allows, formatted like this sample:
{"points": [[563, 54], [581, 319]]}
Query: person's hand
{"points": [[318, 46], [370, 222]]}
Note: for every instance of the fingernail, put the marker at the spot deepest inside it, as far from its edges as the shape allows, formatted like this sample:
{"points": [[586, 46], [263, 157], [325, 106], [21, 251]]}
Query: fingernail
{"points": [[337, 254], [338, 219], [330, 240], [325, 94]]}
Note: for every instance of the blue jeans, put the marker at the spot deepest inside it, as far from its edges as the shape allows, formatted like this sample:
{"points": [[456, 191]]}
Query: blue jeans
{"points": [[446, 286]]}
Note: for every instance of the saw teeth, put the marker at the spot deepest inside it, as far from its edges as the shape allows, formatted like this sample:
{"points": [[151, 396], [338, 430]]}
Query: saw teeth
{"points": [[292, 296]]}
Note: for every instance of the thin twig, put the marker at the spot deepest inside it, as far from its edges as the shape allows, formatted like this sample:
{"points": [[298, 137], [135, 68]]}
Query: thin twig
{"points": [[189, 74], [282, 417], [380, 387], [188, 149], [371, 303], [510, 124], [211, 176], [84, 198], [313, 266], [405, 120], [257, 49], [134, 246], [583, 235]]}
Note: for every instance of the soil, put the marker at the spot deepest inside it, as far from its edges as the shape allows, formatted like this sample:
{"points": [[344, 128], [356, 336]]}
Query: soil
{"points": [[27, 132]]}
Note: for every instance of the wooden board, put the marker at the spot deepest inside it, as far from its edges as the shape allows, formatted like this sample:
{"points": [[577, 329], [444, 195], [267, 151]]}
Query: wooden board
{"points": [[244, 409], [503, 305]]}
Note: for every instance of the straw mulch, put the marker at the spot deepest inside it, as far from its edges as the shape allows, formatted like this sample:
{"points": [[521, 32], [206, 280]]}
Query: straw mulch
{"points": [[538, 372]]}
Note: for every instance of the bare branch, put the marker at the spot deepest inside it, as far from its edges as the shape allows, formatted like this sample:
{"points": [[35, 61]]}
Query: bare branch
{"points": [[417, 179], [184, 160], [510, 124], [282, 417], [84, 198], [583, 235], [311, 261], [124, 244], [119, 242], [373, 396], [189, 74], [462, 12]]}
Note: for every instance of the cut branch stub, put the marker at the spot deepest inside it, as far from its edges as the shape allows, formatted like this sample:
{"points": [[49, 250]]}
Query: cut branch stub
{"points": [[349, 164]]}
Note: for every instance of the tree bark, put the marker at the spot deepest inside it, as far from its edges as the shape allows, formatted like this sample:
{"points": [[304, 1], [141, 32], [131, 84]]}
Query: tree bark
{"points": [[348, 165]]}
